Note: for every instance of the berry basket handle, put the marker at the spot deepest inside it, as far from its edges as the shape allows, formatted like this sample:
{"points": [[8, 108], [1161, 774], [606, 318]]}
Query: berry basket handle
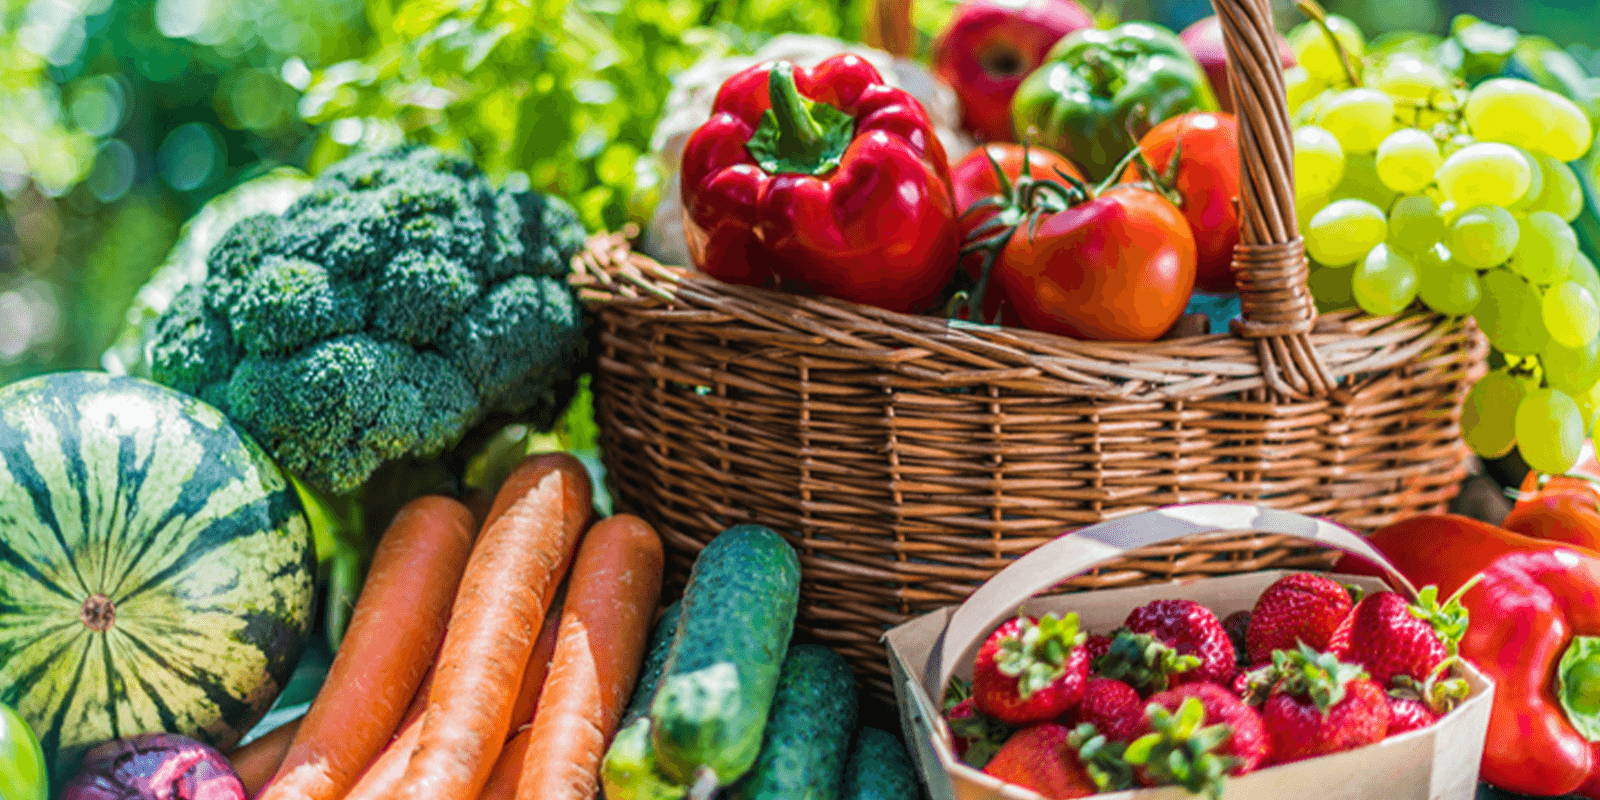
{"points": [[1079, 551], [1269, 264]]}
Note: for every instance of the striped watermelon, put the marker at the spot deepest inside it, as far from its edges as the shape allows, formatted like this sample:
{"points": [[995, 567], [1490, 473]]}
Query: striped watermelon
{"points": [[155, 566]]}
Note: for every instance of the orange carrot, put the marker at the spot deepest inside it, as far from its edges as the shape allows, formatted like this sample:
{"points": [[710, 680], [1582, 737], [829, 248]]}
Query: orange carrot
{"points": [[397, 625], [611, 601], [384, 774], [511, 576], [257, 761], [419, 702], [380, 779], [544, 649], [502, 783]]}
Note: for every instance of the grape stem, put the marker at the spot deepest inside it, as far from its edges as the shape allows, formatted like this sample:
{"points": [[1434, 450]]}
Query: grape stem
{"points": [[1314, 10]]}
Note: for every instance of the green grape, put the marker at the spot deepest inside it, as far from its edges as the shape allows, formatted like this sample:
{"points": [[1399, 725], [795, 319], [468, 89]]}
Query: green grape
{"points": [[1570, 132], [1343, 231], [1331, 287], [1582, 272], [1574, 370], [1485, 173], [1418, 86], [1545, 248], [1561, 194], [1415, 224], [1570, 314], [1449, 291], [1406, 160], [1307, 207], [1313, 51], [1535, 183], [1488, 417], [1300, 87], [1510, 314], [1550, 431], [1318, 161], [1483, 237], [1361, 181], [1358, 118], [1385, 282], [1509, 110]]}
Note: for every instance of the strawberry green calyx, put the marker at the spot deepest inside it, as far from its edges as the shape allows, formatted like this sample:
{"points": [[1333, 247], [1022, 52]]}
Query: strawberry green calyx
{"points": [[1037, 656], [1257, 684], [1319, 677], [1102, 758], [1449, 619], [1438, 692], [1142, 661], [1181, 750]]}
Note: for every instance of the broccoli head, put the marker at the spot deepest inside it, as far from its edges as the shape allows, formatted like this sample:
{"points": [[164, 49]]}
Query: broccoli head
{"points": [[399, 303]]}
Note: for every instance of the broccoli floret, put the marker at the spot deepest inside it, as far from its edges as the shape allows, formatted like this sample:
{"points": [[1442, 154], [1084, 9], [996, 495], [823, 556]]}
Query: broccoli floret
{"points": [[386, 313]]}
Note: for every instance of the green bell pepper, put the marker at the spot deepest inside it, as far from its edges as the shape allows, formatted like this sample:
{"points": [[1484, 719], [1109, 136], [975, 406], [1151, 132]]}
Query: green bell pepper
{"points": [[1098, 88], [22, 775]]}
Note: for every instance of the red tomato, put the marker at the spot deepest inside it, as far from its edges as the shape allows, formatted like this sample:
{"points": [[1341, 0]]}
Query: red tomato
{"points": [[1563, 510], [1208, 183], [973, 176], [1119, 267]]}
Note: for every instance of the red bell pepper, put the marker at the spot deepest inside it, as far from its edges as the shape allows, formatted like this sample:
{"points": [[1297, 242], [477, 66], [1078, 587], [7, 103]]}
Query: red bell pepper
{"points": [[825, 180], [1560, 508], [1534, 627]]}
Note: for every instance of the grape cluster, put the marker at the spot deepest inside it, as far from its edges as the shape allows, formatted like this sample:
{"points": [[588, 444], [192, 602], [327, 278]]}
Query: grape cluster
{"points": [[1411, 186]]}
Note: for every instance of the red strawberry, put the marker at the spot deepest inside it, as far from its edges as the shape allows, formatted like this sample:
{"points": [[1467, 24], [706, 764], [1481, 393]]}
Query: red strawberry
{"points": [[1321, 705], [1031, 669], [1391, 637], [1096, 645], [1196, 734], [1043, 758], [1112, 707], [1409, 714], [975, 736], [1414, 705], [1192, 630], [1299, 608], [1236, 624]]}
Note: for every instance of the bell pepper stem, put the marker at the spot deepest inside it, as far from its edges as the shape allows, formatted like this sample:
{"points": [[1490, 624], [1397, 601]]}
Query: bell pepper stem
{"points": [[1578, 685], [799, 133]]}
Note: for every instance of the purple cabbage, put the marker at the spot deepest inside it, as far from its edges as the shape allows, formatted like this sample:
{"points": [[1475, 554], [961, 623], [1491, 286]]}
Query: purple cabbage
{"points": [[154, 766]]}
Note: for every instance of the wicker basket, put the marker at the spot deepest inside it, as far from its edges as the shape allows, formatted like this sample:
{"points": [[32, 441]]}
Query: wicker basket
{"points": [[910, 458]]}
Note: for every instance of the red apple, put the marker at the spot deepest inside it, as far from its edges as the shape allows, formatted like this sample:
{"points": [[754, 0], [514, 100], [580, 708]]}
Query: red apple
{"points": [[1204, 40], [990, 46]]}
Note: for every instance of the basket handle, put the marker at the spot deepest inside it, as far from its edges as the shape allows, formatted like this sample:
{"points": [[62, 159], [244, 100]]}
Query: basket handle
{"points": [[1079, 551], [1269, 264]]}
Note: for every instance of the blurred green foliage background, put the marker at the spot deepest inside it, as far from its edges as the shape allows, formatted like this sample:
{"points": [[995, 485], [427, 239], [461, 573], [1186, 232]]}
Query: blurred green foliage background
{"points": [[119, 118]]}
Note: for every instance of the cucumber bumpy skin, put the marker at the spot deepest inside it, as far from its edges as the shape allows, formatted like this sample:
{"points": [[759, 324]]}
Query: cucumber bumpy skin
{"points": [[655, 660], [733, 633], [879, 769], [808, 735]]}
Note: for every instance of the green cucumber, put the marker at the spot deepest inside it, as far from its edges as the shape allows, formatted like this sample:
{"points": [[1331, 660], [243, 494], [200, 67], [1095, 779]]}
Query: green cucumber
{"points": [[655, 660], [808, 735], [879, 769], [716, 689], [629, 769]]}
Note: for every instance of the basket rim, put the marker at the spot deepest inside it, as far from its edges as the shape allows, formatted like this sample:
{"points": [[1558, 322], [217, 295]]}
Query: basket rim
{"points": [[612, 278]]}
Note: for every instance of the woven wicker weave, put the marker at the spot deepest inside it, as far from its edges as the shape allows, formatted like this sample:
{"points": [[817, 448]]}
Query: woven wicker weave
{"points": [[908, 458]]}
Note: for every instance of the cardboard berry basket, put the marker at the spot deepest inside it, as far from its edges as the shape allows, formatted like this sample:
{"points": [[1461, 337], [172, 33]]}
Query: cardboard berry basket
{"points": [[1439, 762]]}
